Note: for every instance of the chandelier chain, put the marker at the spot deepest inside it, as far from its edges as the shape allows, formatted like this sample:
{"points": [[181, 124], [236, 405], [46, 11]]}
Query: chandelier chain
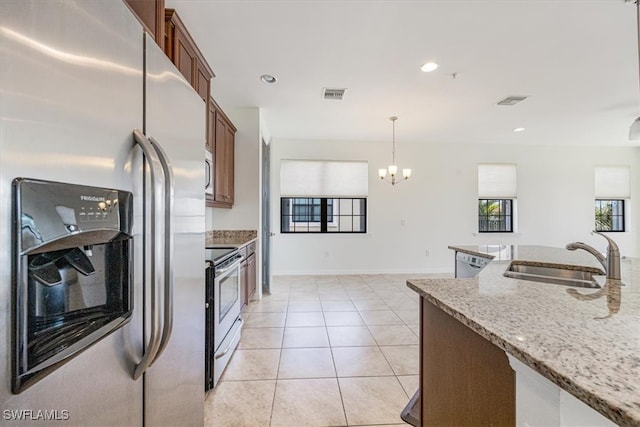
{"points": [[393, 151]]}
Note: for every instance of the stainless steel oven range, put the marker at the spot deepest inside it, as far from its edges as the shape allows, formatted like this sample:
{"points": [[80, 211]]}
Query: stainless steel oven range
{"points": [[223, 308]]}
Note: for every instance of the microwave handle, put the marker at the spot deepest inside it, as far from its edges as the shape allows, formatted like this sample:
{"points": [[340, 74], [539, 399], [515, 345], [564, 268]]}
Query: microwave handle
{"points": [[207, 172], [168, 247], [155, 168]]}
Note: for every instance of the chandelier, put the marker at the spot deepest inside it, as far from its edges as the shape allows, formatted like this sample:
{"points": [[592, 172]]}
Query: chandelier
{"points": [[393, 168]]}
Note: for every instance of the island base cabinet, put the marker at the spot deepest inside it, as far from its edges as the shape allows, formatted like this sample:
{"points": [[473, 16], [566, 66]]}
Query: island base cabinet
{"points": [[465, 380], [539, 402]]}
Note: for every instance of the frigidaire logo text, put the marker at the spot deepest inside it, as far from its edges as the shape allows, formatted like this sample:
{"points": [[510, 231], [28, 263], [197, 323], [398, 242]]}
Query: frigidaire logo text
{"points": [[92, 198], [35, 415]]}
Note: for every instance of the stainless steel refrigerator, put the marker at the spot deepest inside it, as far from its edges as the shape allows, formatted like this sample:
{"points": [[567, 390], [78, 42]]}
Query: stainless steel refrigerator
{"points": [[76, 79]]}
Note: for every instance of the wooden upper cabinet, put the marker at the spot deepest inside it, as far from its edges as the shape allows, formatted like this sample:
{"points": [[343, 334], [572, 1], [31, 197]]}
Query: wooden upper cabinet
{"points": [[203, 81], [184, 53], [211, 127], [221, 142], [185, 57], [151, 14]]}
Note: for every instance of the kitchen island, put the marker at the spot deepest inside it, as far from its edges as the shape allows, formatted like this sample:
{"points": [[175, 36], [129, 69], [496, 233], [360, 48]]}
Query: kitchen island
{"points": [[585, 341]]}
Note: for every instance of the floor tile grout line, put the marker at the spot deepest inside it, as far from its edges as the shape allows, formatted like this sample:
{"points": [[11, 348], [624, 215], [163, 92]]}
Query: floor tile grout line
{"points": [[344, 409], [325, 326]]}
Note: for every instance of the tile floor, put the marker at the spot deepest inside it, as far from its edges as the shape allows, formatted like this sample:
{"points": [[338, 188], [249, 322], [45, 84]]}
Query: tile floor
{"points": [[322, 351]]}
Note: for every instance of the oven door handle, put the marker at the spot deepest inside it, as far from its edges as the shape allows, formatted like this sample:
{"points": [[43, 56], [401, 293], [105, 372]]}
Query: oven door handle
{"points": [[155, 169], [231, 267], [168, 246], [226, 350]]}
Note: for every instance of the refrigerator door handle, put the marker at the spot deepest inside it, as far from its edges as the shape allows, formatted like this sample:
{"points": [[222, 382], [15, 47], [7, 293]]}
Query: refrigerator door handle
{"points": [[168, 246], [155, 168]]}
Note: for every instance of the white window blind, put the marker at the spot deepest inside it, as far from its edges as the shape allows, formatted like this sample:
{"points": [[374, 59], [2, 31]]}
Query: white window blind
{"points": [[324, 178], [612, 182], [497, 181]]}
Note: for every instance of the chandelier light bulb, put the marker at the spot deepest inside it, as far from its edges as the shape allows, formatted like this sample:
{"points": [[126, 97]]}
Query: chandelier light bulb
{"points": [[382, 173], [393, 169], [406, 173]]}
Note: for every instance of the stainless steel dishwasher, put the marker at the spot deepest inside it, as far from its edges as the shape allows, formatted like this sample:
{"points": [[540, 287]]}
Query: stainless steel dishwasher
{"points": [[468, 266]]}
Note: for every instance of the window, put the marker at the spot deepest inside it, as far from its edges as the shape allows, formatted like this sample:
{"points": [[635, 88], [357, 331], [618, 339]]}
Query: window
{"points": [[495, 216], [609, 215], [308, 210], [611, 189], [322, 196], [496, 198], [323, 215]]}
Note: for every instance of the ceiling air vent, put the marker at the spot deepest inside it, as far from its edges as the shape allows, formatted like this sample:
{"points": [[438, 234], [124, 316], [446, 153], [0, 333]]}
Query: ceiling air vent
{"points": [[329, 93], [512, 100]]}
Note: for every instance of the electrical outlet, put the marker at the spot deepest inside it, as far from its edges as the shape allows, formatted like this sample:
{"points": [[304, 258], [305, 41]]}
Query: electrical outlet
{"points": [[402, 222], [326, 254], [426, 252]]}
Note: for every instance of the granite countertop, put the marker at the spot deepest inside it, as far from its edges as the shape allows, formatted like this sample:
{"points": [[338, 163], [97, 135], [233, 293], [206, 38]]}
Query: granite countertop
{"points": [[229, 238], [587, 341]]}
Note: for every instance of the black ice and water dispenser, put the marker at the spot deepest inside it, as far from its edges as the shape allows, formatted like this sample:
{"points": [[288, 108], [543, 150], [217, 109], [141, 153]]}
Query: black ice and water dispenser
{"points": [[72, 272]]}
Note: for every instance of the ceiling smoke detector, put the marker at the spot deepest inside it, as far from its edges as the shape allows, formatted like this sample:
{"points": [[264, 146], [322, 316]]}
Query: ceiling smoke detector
{"points": [[512, 100], [333, 93]]}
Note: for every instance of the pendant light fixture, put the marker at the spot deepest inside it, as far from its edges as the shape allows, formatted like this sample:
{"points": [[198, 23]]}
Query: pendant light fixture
{"points": [[634, 130], [393, 168]]}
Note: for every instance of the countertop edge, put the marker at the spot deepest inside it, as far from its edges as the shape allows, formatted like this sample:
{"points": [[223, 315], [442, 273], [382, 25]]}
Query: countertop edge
{"points": [[470, 252], [231, 244], [597, 402]]}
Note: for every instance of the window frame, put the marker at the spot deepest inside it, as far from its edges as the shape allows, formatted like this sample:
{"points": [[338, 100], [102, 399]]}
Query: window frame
{"points": [[324, 225], [510, 215], [622, 216]]}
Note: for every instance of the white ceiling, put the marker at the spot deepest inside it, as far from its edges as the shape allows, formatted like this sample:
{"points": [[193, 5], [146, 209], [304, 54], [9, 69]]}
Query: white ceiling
{"points": [[575, 59]]}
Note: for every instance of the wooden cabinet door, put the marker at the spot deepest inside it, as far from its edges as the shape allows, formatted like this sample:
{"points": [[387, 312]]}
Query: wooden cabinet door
{"points": [[465, 380], [185, 58], [231, 161], [221, 160], [211, 128], [251, 276], [185, 54], [244, 295], [221, 142], [202, 80], [210, 147]]}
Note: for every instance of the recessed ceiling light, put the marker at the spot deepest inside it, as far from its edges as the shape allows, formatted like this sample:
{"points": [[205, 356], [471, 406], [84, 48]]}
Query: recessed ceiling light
{"points": [[268, 78], [519, 129], [429, 67]]}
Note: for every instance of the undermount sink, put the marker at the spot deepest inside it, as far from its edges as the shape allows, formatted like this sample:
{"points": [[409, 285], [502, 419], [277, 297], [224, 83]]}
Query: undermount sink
{"points": [[556, 274]]}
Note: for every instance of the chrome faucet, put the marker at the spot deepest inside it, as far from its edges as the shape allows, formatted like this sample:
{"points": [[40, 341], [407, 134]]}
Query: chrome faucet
{"points": [[611, 263]]}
